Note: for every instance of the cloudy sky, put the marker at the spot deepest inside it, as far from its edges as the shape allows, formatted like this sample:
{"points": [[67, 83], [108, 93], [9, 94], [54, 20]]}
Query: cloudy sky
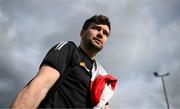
{"points": [[144, 38]]}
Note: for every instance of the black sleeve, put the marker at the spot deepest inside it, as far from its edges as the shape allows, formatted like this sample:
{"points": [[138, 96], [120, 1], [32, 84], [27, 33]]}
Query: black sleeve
{"points": [[59, 56]]}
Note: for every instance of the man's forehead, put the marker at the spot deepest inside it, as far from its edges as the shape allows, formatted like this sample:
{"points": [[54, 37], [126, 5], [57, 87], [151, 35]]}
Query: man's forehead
{"points": [[104, 26]]}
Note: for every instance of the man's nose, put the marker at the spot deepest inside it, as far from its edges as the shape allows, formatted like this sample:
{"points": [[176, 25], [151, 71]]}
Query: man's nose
{"points": [[100, 34]]}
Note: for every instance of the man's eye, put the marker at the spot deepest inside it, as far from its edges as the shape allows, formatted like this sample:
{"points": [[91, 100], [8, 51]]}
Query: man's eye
{"points": [[105, 33], [97, 28]]}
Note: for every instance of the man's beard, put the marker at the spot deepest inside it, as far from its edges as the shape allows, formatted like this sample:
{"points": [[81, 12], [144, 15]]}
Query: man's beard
{"points": [[90, 45]]}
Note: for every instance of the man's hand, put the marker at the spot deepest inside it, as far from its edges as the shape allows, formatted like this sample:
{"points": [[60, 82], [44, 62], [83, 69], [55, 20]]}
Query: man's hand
{"points": [[106, 106]]}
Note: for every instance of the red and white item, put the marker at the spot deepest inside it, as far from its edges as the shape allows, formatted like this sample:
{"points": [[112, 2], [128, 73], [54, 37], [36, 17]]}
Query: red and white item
{"points": [[102, 86]]}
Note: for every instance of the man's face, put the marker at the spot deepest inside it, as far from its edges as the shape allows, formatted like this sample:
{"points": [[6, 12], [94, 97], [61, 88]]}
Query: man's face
{"points": [[95, 36]]}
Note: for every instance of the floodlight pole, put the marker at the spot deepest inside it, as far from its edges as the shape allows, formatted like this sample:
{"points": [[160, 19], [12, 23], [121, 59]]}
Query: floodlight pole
{"points": [[164, 87]]}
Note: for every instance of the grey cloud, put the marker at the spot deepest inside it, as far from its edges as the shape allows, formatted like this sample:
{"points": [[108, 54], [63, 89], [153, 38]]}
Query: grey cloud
{"points": [[140, 43], [139, 50], [170, 60]]}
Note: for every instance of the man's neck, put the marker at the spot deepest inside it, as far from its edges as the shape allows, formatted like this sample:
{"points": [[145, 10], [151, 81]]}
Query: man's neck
{"points": [[88, 52]]}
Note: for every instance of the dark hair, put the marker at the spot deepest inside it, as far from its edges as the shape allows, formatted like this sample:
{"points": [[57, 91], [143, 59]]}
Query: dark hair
{"points": [[97, 19]]}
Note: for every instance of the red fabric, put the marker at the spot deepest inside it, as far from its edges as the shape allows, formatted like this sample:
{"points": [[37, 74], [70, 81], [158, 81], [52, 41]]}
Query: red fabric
{"points": [[97, 86]]}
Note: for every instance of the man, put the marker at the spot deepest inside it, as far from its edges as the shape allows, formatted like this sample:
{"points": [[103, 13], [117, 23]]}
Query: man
{"points": [[70, 76]]}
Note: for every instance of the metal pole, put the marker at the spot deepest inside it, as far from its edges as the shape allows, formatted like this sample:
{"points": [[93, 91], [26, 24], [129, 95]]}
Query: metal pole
{"points": [[164, 88]]}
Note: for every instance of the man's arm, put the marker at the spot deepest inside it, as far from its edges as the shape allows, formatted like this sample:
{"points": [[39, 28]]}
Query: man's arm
{"points": [[106, 106], [36, 90]]}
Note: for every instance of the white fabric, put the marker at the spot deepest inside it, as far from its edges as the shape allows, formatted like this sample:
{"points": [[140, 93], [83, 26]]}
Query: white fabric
{"points": [[107, 91]]}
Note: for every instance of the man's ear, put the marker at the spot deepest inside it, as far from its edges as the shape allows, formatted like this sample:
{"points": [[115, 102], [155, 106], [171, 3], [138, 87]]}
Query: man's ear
{"points": [[81, 33]]}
